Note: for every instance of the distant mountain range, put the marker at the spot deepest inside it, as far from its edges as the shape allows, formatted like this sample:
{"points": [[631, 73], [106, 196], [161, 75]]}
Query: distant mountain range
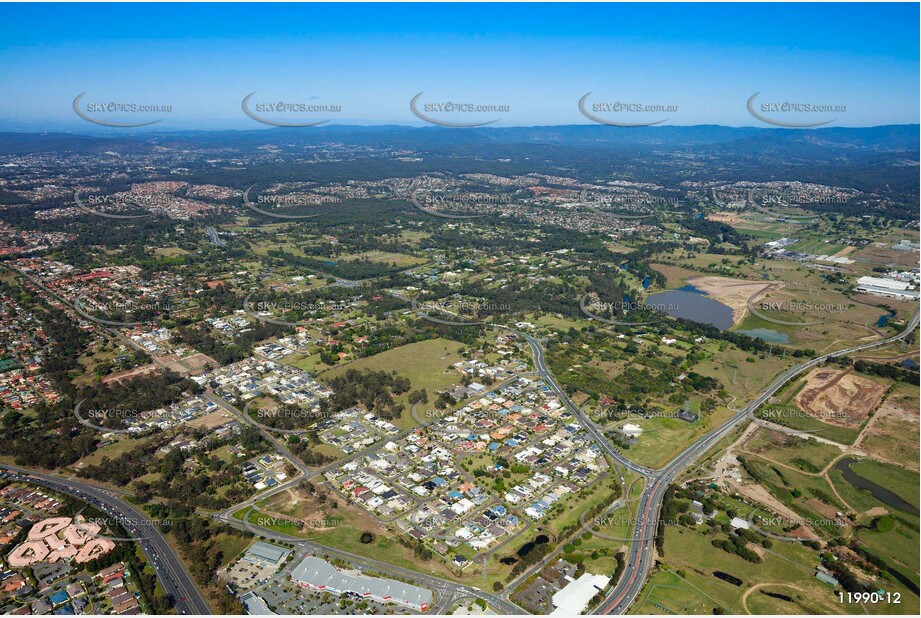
{"points": [[703, 139]]}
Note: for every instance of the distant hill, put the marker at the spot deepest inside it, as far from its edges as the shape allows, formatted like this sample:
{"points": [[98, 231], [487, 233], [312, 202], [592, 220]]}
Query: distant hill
{"points": [[29, 143], [702, 139]]}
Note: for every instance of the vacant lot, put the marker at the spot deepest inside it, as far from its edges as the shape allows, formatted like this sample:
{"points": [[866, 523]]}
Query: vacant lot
{"points": [[893, 432], [798, 452], [666, 593], [664, 438], [383, 257], [817, 247], [196, 364], [839, 397], [787, 564], [211, 420], [427, 364], [130, 374], [675, 275], [883, 254]]}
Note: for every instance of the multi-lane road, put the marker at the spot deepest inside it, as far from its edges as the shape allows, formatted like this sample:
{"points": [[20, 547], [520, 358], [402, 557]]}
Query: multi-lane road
{"points": [[188, 599], [640, 554], [170, 570]]}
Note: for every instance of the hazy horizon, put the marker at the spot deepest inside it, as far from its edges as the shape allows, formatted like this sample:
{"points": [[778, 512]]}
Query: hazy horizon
{"points": [[702, 63]]}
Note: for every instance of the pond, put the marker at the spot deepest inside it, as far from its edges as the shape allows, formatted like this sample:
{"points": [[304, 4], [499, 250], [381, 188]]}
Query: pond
{"points": [[879, 492], [527, 547], [883, 319], [767, 334]]}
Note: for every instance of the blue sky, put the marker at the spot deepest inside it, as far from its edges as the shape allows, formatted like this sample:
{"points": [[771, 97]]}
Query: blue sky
{"points": [[538, 59]]}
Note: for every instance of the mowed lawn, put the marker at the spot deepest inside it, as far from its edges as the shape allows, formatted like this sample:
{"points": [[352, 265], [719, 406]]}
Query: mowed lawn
{"points": [[427, 364], [816, 246]]}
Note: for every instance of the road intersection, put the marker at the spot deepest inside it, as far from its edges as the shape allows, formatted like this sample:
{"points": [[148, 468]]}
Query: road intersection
{"points": [[188, 599], [640, 554]]}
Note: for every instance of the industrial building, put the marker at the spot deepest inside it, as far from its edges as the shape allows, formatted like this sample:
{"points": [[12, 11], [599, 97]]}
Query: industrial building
{"points": [[891, 288], [317, 574], [575, 597], [265, 554]]}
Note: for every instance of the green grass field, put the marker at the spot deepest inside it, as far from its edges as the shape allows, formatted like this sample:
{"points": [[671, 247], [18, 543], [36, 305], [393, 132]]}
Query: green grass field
{"points": [[664, 438], [788, 564], [576, 504], [305, 363], [400, 259], [425, 363], [617, 525], [666, 593], [904, 483], [901, 481], [765, 234], [816, 246], [122, 444], [898, 547]]}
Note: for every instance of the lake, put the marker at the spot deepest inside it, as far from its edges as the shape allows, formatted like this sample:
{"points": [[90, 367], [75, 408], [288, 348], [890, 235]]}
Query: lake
{"points": [[693, 305]]}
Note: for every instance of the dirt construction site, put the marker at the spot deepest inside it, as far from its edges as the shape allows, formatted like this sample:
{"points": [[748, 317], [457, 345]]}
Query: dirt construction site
{"points": [[839, 397]]}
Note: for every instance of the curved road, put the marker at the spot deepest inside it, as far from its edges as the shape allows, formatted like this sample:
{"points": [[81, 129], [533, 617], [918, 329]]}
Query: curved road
{"points": [[446, 591], [188, 600], [640, 554], [605, 444], [170, 571]]}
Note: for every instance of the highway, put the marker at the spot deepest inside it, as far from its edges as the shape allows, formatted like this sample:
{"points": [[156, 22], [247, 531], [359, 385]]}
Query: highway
{"points": [[639, 556], [170, 571], [188, 600]]}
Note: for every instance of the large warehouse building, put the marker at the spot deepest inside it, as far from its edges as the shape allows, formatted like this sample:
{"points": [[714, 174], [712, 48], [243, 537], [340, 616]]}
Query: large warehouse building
{"points": [[893, 288], [318, 574]]}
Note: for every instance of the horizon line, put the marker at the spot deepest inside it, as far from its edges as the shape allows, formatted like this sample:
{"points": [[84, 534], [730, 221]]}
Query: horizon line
{"points": [[135, 131]]}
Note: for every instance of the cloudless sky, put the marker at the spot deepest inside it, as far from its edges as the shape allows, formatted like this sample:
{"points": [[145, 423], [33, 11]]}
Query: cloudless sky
{"points": [[538, 59]]}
